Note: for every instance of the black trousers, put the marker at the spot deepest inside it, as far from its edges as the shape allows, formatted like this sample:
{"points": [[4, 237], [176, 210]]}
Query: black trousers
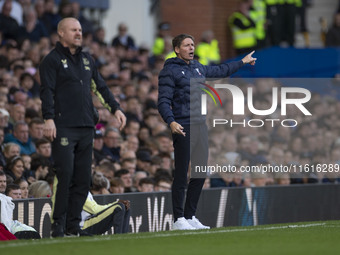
{"points": [[192, 147], [274, 28], [72, 154], [287, 23]]}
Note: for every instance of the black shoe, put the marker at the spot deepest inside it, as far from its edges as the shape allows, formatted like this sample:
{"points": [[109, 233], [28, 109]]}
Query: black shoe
{"points": [[57, 230], [77, 232]]}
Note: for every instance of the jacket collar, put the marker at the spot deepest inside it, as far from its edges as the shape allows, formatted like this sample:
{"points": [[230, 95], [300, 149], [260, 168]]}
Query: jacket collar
{"points": [[66, 50]]}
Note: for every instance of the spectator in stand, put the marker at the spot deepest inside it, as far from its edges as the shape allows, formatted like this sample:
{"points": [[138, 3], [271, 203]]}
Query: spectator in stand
{"points": [[224, 179], [3, 182], [32, 29], [2, 156], [112, 141], [333, 34], [11, 150], [39, 189], [17, 113], [27, 83], [39, 7], [15, 167], [36, 129], [163, 184], [126, 177], [132, 143], [99, 37], [146, 185], [123, 38], [98, 144], [9, 26], [133, 108], [282, 179], [23, 184], [40, 168], [252, 152], [107, 169], [44, 148], [4, 118], [166, 161], [50, 18], [27, 161], [131, 128], [85, 23], [136, 178], [20, 97], [16, 11], [65, 9], [116, 186], [164, 142], [259, 179], [143, 160], [21, 137], [13, 190], [129, 164]]}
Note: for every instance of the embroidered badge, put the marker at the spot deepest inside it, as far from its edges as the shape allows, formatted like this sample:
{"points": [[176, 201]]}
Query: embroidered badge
{"points": [[198, 71], [86, 64], [64, 61], [86, 61], [64, 141]]}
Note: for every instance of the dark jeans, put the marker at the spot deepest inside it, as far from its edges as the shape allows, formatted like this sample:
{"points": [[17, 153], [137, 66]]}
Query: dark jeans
{"points": [[72, 154], [192, 147]]}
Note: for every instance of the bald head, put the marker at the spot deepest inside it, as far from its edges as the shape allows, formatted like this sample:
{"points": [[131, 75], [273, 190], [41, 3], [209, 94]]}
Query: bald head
{"points": [[70, 33], [64, 23]]}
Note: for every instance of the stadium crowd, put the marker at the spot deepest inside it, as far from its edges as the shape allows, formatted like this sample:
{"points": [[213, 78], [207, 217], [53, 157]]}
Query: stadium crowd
{"points": [[140, 158]]}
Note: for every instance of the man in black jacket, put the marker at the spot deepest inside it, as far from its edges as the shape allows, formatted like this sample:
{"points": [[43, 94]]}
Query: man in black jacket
{"points": [[174, 106], [67, 77]]}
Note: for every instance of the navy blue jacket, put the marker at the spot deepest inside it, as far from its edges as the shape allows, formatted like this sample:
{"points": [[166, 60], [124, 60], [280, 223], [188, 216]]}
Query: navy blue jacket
{"points": [[174, 88]]}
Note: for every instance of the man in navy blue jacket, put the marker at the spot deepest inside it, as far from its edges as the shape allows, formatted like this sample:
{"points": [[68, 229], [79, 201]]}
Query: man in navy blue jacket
{"points": [[174, 107]]}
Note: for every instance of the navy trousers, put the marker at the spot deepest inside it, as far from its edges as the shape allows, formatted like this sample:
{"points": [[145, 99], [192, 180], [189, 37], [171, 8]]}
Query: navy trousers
{"points": [[192, 148]]}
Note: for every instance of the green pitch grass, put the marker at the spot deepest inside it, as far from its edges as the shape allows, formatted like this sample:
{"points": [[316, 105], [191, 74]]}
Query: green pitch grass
{"points": [[296, 238]]}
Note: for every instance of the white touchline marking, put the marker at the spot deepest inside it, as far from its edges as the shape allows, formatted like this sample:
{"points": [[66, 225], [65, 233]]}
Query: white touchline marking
{"points": [[10, 244]]}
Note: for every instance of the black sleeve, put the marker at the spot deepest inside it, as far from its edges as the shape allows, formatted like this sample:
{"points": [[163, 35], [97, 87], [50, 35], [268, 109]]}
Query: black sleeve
{"points": [[48, 79]]}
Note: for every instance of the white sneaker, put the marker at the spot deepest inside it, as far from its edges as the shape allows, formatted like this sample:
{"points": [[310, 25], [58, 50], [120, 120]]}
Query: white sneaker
{"points": [[194, 222], [182, 224]]}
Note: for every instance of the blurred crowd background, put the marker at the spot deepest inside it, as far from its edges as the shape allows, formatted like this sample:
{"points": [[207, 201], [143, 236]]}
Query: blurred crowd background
{"points": [[140, 158]]}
